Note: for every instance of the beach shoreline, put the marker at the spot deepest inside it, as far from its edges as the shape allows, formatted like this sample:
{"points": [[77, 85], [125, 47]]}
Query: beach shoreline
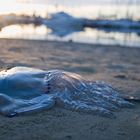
{"points": [[116, 65]]}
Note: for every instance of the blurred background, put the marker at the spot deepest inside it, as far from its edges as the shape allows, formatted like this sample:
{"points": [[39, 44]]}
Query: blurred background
{"points": [[114, 22]]}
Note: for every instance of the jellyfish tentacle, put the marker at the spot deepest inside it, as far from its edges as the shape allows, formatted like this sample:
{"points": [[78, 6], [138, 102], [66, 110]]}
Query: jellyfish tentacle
{"points": [[36, 104], [4, 99], [93, 100], [20, 106], [101, 103], [6, 104], [114, 101], [103, 91], [82, 106]]}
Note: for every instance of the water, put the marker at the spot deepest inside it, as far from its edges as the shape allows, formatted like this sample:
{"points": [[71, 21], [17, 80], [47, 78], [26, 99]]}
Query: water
{"points": [[101, 9], [89, 35]]}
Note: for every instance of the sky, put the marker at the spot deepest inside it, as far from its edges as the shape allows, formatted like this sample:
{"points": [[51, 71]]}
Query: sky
{"points": [[62, 1], [82, 1], [70, 1], [22, 6]]}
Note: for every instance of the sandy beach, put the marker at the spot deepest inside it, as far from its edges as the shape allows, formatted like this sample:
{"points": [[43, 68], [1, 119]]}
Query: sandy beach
{"points": [[117, 65]]}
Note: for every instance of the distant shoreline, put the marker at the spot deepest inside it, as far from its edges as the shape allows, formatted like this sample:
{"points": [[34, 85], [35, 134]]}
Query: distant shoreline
{"points": [[125, 32]]}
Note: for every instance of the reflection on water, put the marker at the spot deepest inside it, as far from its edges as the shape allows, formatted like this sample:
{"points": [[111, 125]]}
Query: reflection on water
{"points": [[26, 31], [87, 36]]}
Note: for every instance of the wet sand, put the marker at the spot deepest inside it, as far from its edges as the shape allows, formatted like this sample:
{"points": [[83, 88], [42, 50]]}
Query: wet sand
{"points": [[117, 65]]}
